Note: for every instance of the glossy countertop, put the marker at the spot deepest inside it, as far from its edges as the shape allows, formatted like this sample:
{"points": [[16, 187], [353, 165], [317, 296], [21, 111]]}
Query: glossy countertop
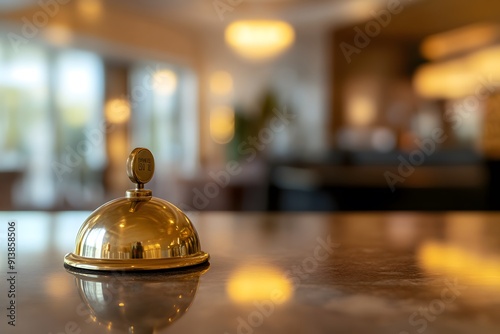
{"points": [[395, 273]]}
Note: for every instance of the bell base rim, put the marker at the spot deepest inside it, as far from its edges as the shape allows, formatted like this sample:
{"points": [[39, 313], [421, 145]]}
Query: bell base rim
{"points": [[81, 262]]}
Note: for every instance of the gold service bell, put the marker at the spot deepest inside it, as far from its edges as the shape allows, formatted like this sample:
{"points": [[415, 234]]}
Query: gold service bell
{"points": [[137, 232]]}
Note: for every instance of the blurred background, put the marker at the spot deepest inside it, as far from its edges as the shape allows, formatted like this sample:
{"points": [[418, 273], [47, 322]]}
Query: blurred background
{"points": [[280, 105]]}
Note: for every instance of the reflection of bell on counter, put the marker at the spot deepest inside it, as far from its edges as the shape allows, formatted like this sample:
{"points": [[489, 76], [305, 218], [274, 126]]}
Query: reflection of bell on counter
{"points": [[135, 303], [138, 231]]}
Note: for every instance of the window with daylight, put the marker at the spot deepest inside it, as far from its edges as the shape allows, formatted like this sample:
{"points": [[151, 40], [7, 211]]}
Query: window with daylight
{"points": [[48, 99], [164, 117]]}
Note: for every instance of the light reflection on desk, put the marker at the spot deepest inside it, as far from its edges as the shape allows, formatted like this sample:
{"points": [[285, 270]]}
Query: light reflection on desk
{"points": [[259, 282], [137, 303], [387, 266]]}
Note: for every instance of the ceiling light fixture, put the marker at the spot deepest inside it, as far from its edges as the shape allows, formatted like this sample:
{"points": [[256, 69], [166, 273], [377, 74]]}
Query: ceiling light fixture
{"points": [[259, 39]]}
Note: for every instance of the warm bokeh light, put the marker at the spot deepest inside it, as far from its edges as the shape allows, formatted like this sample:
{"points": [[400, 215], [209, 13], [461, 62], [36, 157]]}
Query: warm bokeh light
{"points": [[261, 39], [117, 111], [457, 262], [164, 82], [58, 35], [258, 283], [221, 83], [361, 10], [222, 124], [449, 81], [457, 78], [90, 10], [361, 110], [460, 40], [486, 61]]}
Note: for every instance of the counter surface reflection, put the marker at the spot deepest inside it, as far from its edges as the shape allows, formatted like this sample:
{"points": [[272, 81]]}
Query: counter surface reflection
{"points": [[399, 273]]}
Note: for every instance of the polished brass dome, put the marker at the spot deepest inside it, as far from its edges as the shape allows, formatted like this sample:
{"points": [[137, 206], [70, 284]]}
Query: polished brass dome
{"points": [[137, 232]]}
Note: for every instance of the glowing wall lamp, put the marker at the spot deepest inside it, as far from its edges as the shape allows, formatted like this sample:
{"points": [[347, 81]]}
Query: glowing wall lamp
{"points": [[222, 124], [457, 78], [117, 111], [259, 40], [460, 40], [460, 58]]}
